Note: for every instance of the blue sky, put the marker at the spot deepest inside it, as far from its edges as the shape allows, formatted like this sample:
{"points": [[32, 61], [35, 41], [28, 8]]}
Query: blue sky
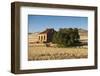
{"points": [[38, 23]]}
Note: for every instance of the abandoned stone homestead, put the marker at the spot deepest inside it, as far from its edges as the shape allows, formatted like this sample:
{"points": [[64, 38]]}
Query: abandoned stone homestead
{"points": [[42, 37]]}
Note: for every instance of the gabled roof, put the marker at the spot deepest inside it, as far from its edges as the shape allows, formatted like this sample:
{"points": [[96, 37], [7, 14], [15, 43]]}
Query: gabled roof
{"points": [[49, 30]]}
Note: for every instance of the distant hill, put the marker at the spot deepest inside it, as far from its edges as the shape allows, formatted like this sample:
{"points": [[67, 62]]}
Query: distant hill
{"points": [[83, 32], [33, 33], [83, 35]]}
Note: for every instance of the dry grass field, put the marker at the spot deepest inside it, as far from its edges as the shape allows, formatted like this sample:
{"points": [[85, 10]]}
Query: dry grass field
{"points": [[53, 53]]}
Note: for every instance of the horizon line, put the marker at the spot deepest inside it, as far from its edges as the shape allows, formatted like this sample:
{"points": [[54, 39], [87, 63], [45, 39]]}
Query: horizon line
{"points": [[56, 30]]}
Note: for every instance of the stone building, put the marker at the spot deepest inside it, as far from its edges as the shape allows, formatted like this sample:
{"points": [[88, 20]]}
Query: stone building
{"points": [[41, 37], [46, 36]]}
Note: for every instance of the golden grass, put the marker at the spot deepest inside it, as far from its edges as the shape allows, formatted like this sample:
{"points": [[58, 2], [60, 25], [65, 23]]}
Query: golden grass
{"points": [[51, 53]]}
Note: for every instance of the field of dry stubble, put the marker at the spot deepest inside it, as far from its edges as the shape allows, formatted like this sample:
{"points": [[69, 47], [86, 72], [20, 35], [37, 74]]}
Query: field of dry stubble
{"points": [[54, 53]]}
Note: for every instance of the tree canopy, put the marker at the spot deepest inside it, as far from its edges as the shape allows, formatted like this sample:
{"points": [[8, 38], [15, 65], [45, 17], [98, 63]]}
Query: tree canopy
{"points": [[66, 37]]}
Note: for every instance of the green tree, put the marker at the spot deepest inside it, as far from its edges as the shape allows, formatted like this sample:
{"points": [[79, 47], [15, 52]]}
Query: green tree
{"points": [[55, 37], [66, 37]]}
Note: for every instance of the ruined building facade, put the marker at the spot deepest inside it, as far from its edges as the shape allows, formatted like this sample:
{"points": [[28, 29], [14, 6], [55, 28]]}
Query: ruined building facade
{"points": [[46, 36], [42, 37]]}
